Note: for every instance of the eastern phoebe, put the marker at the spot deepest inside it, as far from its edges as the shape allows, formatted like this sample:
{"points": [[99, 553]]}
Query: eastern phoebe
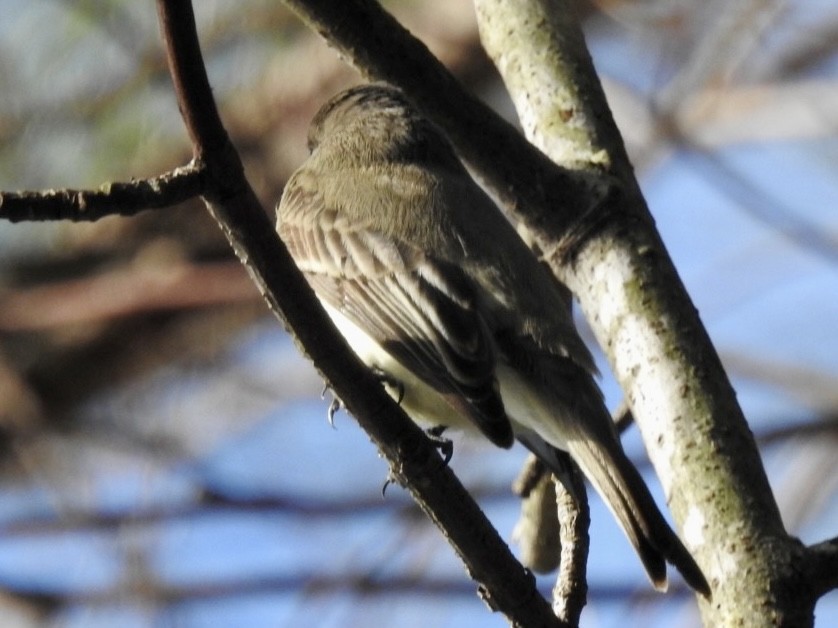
{"points": [[433, 288]]}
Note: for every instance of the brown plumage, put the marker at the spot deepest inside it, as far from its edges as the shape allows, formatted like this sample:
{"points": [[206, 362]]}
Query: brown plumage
{"points": [[432, 286]]}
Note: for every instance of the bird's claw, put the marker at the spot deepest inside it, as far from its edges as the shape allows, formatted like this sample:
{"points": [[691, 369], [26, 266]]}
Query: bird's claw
{"points": [[391, 479], [444, 445], [335, 405]]}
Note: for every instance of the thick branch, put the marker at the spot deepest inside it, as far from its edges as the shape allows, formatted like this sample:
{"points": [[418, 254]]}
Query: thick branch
{"points": [[822, 566], [504, 583], [111, 199], [687, 412]]}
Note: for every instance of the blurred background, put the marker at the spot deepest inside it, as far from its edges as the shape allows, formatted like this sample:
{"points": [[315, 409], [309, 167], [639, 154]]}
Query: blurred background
{"points": [[165, 458]]}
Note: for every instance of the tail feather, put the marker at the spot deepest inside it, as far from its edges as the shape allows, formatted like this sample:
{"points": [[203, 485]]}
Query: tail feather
{"points": [[626, 495], [555, 403]]}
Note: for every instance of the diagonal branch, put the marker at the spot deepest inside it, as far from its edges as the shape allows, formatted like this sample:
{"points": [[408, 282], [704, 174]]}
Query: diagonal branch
{"points": [[504, 584]]}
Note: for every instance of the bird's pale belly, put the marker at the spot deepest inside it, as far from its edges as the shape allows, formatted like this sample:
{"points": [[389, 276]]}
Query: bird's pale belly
{"points": [[421, 402], [428, 408]]}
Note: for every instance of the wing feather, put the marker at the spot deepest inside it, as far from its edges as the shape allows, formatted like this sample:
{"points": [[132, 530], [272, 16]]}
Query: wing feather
{"points": [[420, 309]]}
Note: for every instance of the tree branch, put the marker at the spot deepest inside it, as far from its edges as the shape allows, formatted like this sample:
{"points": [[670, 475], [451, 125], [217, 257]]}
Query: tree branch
{"points": [[571, 589], [552, 531], [619, 269], [822, 566], [504, 584], [111, 199]]}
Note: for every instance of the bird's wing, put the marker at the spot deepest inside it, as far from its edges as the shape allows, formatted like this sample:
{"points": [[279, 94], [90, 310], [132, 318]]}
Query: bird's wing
{"points": [[519, 296], [420, 309]]}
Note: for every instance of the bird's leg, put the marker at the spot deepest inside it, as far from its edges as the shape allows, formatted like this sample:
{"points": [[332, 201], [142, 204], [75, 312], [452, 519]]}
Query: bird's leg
{"points": [[386, 379]]}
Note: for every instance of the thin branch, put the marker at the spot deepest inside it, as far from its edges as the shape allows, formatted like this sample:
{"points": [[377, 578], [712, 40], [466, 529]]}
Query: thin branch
{"points": [[504, 584], [570, 592], [552, 530], [822, 566], [191, 83], [111, 199]]}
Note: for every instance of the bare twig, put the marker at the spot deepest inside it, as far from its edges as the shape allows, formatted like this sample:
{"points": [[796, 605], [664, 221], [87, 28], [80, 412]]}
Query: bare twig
{"points": [[553, 531], [570, 592], [111, 199]]}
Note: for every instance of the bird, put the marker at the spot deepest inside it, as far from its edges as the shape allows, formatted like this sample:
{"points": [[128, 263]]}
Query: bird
{"points": [[434, 290]]}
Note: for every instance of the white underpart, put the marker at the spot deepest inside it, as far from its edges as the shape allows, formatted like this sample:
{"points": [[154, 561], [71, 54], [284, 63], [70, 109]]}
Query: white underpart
{"points": [[528, 412], [428, 408], [424, 405], [527, 409]]}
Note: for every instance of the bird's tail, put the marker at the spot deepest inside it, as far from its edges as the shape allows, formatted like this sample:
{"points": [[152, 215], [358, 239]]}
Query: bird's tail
{"points": [[555, 403], [626, 495]]}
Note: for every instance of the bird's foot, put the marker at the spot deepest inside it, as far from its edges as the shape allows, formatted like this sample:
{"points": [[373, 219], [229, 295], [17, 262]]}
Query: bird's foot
{"points": [[444, 445], [390, 382]]}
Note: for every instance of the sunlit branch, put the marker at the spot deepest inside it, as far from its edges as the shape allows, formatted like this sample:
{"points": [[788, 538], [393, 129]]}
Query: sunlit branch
{"points": [[111, 199]]}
